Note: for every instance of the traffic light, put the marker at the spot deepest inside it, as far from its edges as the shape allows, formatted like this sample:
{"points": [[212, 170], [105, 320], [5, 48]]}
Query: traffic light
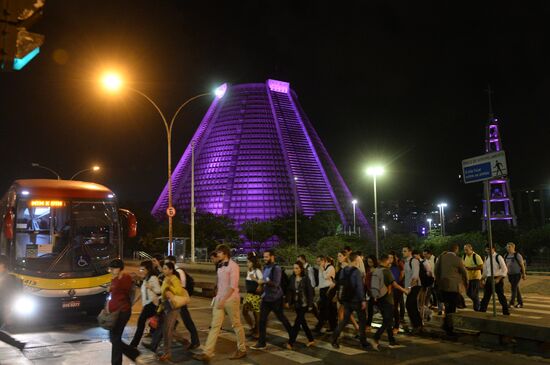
{"points": [[17, 45]]}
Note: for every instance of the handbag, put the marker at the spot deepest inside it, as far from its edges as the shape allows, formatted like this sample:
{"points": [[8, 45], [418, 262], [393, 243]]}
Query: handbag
{"points": [[178, 301], [154, 321], [107, 319]]}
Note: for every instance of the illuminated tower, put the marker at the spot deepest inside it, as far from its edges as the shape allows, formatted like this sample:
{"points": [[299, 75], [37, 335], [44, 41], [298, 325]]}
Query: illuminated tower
{"points": [[256, 156], [502, 206]]}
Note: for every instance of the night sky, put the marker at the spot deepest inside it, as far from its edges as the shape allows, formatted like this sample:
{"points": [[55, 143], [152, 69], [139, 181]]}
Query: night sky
{"points": [[402, 83]]}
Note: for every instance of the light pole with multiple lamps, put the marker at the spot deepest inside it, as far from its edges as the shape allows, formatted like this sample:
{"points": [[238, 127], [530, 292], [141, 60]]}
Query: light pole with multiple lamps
{"points": [[354, 203], [442, 207], [113, 82], [374, 172], [94, 168], [37, 165]]}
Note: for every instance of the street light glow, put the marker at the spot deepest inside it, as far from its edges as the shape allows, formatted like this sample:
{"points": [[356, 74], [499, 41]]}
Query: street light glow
{"points": [[442, 205], [220, 91], [375, 170], [354, 201], [96, 168], [112, 81]]}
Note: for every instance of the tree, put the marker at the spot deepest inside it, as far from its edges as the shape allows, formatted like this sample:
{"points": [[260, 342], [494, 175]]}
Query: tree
{"points": [[258, 232], [326, 223], [211, 230]]}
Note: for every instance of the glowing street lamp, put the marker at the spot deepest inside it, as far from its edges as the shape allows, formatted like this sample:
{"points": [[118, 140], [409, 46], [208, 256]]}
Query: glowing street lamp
{"points": [[354, 203], [442, 207], [113, 83], [94, 168], [429, 225], [384, 229], [375, 171]]}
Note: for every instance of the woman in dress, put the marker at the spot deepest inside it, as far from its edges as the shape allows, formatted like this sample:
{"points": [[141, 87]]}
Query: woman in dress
{"points": [[252, 300]]}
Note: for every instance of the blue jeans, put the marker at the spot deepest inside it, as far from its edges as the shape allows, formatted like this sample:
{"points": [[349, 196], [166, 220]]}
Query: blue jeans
{"points": [[514, 280]]}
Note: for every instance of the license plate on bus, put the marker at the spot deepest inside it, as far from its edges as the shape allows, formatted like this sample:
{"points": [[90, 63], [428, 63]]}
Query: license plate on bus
{"points": [[71, 304]]}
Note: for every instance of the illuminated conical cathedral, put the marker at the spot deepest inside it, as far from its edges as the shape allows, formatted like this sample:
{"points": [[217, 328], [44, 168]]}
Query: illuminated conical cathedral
{"points": [[255, 153]]}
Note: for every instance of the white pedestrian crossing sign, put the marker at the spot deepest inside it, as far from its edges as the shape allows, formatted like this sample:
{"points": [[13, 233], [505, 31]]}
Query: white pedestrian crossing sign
{"points": [[485, 167]]}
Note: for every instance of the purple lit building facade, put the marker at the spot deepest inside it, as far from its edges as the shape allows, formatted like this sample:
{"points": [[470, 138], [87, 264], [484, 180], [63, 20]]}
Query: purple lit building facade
{"points": [[255, 153]]}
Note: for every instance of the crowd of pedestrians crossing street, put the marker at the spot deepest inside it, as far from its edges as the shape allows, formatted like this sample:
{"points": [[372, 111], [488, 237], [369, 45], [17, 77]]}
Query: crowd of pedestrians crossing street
{"points": [[334, 294]]}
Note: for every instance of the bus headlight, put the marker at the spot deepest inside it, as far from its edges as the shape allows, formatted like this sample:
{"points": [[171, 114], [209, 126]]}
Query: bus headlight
{"points": [[24, 305]]}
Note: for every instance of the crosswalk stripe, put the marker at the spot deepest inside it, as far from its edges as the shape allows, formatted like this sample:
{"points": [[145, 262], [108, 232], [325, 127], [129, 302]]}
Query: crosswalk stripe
{"points": [[434, 358], [345, 350], [513, 313], [286, 354]]}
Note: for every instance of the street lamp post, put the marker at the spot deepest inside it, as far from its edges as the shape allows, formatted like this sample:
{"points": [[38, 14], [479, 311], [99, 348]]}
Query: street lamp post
{"points": [[429, 225], [374, 172], [94, 168], [114, 83], [442, 207], [354, 202], [37, 165], [296, 214], [384, 229]]}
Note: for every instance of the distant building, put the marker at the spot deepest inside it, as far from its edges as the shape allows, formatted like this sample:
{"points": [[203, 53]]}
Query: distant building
{"points": [[256, 156]]}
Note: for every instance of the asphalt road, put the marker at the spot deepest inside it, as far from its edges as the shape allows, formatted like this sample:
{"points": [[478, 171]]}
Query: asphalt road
{"points": [[76, 339]]}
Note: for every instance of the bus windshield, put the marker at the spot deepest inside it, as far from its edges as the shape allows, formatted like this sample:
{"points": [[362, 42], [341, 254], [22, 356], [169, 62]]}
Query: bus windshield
{"points": [[65, 236]]}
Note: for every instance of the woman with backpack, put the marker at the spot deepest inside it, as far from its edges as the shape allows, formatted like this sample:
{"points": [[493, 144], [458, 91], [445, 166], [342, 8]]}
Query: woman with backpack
{"points": [[300, 296], [150, 291], [372, 264], [253, 300], [343, 262]]}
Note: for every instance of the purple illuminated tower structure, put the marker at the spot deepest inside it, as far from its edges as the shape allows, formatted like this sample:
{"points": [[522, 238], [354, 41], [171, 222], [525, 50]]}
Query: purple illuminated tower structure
{"points": [[256, 156], [502, 206]]}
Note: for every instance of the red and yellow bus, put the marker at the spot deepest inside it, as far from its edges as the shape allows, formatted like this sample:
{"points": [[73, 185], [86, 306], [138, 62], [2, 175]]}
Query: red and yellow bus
{"points": [[60, 237]]}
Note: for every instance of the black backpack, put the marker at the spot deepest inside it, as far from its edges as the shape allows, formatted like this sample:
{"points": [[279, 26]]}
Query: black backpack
{"points": [[189, 283], [474, 258], [316, 276], [496, 259], [426, 280], [285, 281], [515, 258], [345, 289]]}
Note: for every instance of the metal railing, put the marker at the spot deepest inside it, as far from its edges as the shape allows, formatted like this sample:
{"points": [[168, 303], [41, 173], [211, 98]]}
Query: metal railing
{"points": [[141, 255]]}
